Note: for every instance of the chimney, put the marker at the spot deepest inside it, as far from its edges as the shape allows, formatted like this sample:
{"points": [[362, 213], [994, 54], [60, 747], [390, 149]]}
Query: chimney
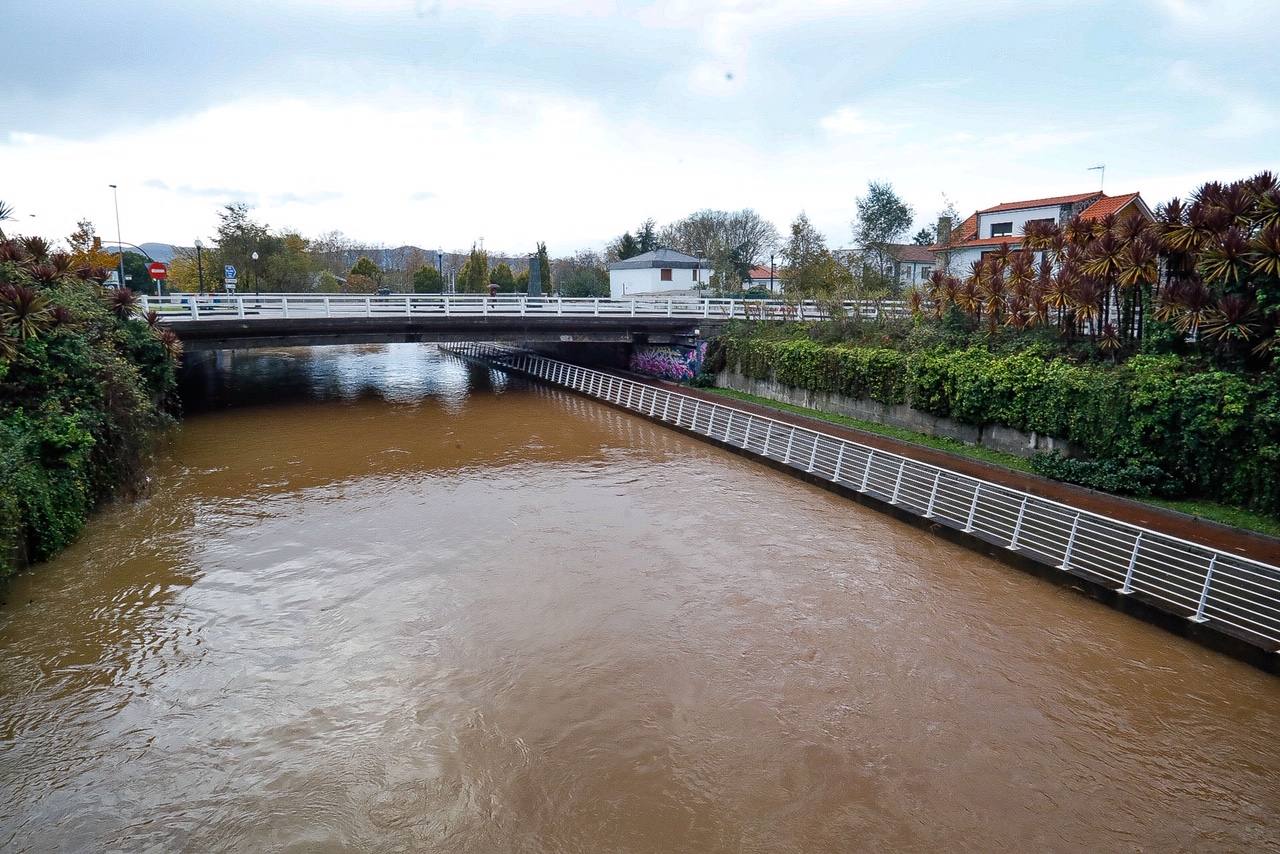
{"points": [[944, 230]]}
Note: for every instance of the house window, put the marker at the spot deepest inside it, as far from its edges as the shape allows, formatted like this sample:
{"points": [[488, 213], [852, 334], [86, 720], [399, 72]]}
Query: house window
{"points": [[1001, 229], [925, 271], [666, 274]]}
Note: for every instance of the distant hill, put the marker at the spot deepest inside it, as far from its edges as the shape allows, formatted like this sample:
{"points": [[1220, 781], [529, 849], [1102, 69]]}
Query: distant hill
{"points": [[163, 252]]}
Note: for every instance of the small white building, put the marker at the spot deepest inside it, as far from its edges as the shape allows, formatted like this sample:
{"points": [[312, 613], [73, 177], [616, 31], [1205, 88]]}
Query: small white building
{"points": [[662, 271], [912, 264]]}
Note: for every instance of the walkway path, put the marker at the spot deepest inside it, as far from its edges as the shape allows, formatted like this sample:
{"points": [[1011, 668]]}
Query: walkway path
{"points": [[1251, 545]]}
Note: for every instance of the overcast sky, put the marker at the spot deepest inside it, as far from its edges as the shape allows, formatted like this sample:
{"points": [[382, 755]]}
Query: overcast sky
{"points": [[440, 123]]}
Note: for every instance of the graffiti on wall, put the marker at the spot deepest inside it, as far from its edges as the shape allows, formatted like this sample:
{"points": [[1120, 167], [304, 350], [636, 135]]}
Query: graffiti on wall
{"points": [[670, 363]]}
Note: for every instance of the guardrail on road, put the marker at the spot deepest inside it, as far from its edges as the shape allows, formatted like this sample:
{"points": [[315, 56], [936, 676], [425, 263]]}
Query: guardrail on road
{"points": [[1233, 594]]}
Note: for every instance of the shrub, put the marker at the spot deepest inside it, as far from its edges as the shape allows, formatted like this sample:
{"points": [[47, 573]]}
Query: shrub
{"points": [[1157, 424]]}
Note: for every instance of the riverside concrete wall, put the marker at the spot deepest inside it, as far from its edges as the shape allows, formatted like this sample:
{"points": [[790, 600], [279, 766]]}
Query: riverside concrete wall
{"points": [[994, 436]]}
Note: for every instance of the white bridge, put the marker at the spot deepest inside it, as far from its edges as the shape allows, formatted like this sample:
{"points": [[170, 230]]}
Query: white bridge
{"points": [[233, 321]]}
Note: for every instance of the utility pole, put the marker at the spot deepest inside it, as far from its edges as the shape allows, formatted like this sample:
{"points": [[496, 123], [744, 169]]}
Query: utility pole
{"points": [[115, 193]]}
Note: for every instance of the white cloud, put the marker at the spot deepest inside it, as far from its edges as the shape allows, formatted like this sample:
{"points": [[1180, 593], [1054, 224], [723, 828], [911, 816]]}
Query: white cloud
{"points": [[851, 121]]}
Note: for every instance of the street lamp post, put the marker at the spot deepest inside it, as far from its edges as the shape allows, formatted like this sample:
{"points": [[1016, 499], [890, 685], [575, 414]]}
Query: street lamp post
{"points": [[771, 275], [115, 195], [256, 277], [199, 266]]}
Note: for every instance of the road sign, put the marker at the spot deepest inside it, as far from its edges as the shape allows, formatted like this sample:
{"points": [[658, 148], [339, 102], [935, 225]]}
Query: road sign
{"points": [[228, 272], [158, 270]]}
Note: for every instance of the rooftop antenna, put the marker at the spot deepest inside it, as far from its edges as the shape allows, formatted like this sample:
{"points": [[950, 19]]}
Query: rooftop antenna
{"points": [[1102, 177]]}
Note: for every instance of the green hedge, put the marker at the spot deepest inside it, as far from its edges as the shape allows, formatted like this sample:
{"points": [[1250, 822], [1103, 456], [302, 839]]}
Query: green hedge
{"points": [[1153, 425], [80, 406]]}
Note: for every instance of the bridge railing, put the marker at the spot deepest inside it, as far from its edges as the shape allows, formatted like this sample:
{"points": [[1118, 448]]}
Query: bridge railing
{"points": [[176, 308], [1191, 580]]}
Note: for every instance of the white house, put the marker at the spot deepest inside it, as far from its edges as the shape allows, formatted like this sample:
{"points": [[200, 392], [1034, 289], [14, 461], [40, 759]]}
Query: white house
{"points": [[988, 229], [764, 278], [912, 264], [662, 271]]}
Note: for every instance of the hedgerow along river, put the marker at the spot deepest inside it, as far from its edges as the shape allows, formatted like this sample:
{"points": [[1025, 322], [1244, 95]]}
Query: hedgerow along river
{"points": [[383, 600]]}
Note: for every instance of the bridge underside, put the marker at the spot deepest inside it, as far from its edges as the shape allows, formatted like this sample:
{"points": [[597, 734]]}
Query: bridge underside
{"points": [[239, 334]]}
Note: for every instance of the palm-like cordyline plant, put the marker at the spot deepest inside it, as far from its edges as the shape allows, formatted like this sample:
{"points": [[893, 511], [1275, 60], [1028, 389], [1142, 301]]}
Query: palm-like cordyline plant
{"points": [[37, 248], [1185, 303], [123, 302], [172, 343], [1233, 319], [1225, 261], [24, 311]]}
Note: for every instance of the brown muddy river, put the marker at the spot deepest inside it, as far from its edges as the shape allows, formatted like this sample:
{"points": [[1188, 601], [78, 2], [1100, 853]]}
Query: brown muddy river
{"points": [[384, 601]]}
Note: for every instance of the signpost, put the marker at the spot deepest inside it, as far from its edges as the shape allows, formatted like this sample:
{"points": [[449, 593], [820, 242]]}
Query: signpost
{"points": [[159, 272]]}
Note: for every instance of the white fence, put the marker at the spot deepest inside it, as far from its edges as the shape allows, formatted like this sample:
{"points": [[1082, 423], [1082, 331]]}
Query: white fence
{"points": [[184, 307], [1188, 579]]}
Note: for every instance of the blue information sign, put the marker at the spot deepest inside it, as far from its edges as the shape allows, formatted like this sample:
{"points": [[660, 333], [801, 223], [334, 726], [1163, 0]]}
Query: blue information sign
{"points": [[229, 272]]}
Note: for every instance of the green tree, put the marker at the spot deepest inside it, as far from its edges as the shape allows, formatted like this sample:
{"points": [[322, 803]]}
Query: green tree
{"points": [[808, 260], [368, 269], [544, 268], [626, 247], [136, 276], [503, 278], [926, 236], [647, 236], [427, 280], [327, 283], [473, 278], [882, 220]]}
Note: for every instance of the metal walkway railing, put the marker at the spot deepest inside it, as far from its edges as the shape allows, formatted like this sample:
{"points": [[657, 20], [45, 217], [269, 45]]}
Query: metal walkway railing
{"points": [[1188, 579], [176, 308]]}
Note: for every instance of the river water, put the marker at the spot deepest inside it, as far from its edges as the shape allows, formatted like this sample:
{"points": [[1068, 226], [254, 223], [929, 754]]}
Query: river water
{"points": [[381, 600]]}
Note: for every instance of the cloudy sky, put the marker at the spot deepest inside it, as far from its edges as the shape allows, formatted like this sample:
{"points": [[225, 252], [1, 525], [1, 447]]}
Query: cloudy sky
{"points": [[439, 123]]}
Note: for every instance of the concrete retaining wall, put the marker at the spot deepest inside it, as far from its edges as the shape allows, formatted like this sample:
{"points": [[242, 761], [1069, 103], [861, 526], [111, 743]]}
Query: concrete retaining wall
{"points": [[994, 436]]}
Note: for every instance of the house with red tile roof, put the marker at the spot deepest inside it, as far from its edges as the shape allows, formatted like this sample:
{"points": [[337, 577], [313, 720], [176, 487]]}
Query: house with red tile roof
{"points": [[986, 230]]}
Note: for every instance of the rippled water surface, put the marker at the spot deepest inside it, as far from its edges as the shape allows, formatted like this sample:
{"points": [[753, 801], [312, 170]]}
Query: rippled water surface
{"points": [[384, 601]]}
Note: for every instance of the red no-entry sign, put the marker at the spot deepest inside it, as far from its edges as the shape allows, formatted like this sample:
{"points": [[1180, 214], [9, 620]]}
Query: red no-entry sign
{"points": [[158, 270]]}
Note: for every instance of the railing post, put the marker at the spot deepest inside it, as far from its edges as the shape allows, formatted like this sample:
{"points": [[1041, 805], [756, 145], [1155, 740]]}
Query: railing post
{"points": [[653, 402], [973, 508], [668, 308], [835, 475], [813, 454], [897, 483], [728, 425], [1065, 566], [1133, 563], [666, 407], [768, 436], [1017, 526], [195, 308], [866, 472], [680, 411], [933, 494], [791, 438], [596, 308], [284, 306], [633, 308], [239, 306], [559, 306], [368, 306], [697, 404], [1204, 592], [706, 308], [327, 310], [408, 306], [446, 304]]}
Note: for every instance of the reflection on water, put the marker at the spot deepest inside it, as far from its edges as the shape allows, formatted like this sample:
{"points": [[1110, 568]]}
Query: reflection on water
{"points": [[384, 600]]}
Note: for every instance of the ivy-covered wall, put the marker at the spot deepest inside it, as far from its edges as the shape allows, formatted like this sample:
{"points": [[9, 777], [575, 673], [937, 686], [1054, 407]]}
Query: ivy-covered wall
{"points": [[1153, 425]]}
